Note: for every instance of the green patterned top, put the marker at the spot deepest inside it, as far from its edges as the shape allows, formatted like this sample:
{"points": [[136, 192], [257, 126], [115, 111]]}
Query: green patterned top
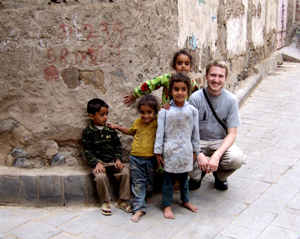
{"points": [[156, 83]]}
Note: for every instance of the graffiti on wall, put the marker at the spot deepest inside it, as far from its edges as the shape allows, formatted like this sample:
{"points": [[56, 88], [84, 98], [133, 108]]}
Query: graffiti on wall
{"points": [[92, 56], [193, 42], [201, 2], [51, 73], [213, 18]]}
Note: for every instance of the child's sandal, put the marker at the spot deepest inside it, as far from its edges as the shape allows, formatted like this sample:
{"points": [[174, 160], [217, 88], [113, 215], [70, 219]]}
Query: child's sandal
{"points": [[124, 206], [106, 210]]}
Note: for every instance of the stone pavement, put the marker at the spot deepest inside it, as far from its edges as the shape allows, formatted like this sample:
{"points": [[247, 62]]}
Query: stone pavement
{"points": [[263, 199]]}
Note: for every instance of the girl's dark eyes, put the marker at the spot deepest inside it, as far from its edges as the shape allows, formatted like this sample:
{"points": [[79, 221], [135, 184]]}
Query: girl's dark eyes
{"points": [[180, 63], [177, 89], [148, 112]]}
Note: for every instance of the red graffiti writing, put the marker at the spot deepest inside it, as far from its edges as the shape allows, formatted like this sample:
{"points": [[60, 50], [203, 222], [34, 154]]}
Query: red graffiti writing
{"points": [[93, 55], [94, 52], [86, 26], [117, 28], [80, 56], [63, 53], [51, 73], [67, 31], [104, 27], [50, 56]]}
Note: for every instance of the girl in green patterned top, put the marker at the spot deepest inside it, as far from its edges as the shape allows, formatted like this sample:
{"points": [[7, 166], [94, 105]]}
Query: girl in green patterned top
{"points": [[182, 61]]}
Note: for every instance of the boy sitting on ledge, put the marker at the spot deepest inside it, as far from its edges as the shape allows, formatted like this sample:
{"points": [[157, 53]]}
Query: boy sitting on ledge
{"points": [[103, 151]]}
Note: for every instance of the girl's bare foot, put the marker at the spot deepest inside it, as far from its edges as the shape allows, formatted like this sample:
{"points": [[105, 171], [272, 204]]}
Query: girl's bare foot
{"points": [[149, 200], [168, 213], [136, 216], [190, 206]]}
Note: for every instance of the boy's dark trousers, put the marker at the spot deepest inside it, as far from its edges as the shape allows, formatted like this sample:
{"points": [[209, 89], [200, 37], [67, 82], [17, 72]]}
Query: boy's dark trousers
{"points": [[168, 184]]}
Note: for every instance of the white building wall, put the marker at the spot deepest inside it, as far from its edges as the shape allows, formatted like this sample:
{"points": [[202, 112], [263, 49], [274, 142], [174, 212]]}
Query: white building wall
{"points": [[237, 33], [198, 20], [271, 15], [258, 23]]}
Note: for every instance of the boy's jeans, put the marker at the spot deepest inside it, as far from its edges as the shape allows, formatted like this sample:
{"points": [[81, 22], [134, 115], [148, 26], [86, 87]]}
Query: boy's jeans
{"points": [[141, 171]]}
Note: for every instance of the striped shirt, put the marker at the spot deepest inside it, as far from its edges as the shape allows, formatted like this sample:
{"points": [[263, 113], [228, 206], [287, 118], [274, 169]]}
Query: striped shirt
{"points": [[101, 145]]}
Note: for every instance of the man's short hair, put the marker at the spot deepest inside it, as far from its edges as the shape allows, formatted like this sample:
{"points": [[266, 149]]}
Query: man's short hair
{"points": [[95, 105], [217, 63]]}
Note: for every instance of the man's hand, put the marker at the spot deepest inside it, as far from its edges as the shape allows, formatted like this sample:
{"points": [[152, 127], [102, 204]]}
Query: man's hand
{"points": [[100, 168], [226, 144], [213, 163], [128, 99], [202, 161], [160, 160], [119, 165]]}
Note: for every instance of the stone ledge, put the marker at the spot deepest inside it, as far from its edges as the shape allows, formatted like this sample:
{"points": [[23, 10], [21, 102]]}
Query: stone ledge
{"points": [[57, 186], [243, 93], [262, 70]]}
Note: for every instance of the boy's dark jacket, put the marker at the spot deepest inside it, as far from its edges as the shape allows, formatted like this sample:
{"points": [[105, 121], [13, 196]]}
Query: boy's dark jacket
{"points": [[101, 145]]}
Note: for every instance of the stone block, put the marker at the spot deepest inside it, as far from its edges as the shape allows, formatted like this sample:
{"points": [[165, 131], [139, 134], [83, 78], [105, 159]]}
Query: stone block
{"points": [[44, 148], [70, 160], [58, 159], [18, 152], [25, 162], [94, 78], [75, 188], [50, 191], [71, 77], [7, 126], [9, 189], [290, 58], [28, 190]]}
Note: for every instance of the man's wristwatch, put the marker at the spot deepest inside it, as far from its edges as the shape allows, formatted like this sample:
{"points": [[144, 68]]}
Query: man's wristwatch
{"points": [[199, 152]]}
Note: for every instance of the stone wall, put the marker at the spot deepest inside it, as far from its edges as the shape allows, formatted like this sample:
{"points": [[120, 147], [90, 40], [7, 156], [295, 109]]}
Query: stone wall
{"points": [[57, 55], [241, 32]]}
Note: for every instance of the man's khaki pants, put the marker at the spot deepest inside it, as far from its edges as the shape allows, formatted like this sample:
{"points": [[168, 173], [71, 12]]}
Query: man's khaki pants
{"points": [[231, 160]]}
